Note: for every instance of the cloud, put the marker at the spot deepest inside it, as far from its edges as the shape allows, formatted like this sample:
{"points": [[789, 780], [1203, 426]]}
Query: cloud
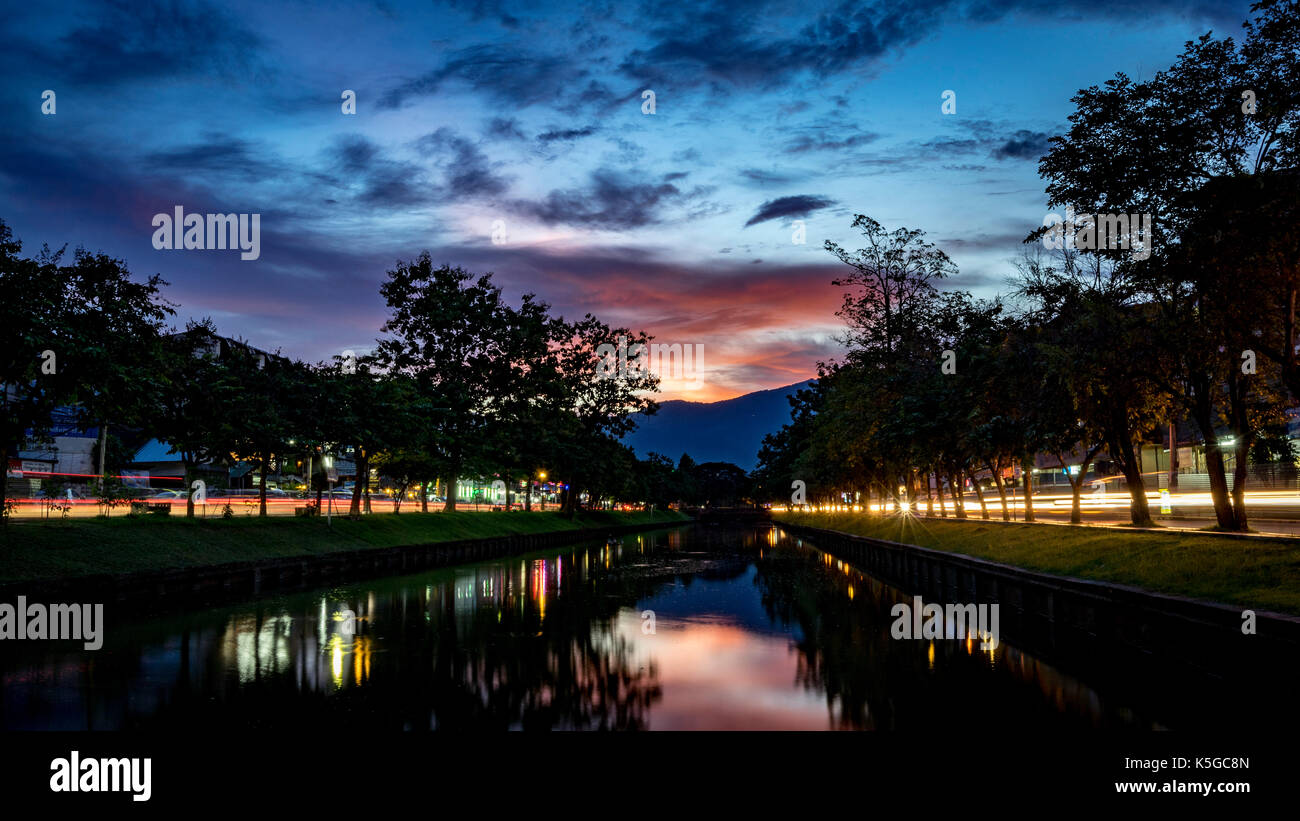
{"points": [[599, 96], [504, 128], [1010, 241], [219, 155], [1023, 145], [984, 136], [377, 180], [761, 178], [730, 41], [721, 42], [953, 145], [505, 74], [611, 200], [487, 9], [566, 134], [467, 170], [129, 41], [797, 206], [194, 130], [356, 153], [811, 142]]}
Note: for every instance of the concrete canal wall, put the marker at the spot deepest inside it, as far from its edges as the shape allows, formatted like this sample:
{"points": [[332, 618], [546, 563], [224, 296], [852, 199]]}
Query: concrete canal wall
{"points": [[190, 586], [1167, 644]]}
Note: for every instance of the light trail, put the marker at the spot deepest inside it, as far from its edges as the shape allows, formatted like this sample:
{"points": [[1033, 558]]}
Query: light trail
{"points": [[1087, 501]]}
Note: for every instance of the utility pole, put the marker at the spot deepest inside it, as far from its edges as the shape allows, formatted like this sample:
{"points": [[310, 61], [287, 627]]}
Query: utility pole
{"points": [[1173, 457]]}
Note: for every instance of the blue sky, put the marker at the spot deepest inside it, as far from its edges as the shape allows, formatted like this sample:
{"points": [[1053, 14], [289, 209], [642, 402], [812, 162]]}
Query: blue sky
{"points": [[678, 223]]}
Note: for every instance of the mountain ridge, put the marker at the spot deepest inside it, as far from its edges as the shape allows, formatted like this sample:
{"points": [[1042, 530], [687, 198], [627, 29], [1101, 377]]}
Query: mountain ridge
{"points": [[729, 430]]}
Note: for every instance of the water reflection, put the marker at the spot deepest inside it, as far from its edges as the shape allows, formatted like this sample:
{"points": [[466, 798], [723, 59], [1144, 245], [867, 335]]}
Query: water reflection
{"points": [[751, 629]]}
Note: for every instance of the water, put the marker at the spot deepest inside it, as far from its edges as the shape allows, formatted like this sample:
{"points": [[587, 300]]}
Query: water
{"points": [[691, 628]]}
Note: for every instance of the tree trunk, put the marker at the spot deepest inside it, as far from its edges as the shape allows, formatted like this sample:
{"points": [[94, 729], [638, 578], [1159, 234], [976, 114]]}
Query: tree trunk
{"points": [[1076, 485], [450, 505], [189, 492], [938, 487], [1239, 479], [1139, 509], [354, 509], [1121, 448], [1000, 484], [424, 497], [1214, 466], [958, 495]]}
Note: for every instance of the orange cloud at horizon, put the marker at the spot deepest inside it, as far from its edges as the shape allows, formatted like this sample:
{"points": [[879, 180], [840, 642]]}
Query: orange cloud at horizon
{"points": [[761, 327]]}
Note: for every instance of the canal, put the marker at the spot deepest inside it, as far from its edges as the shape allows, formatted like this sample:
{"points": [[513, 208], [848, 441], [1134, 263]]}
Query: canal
{"points": [[691, 628]]}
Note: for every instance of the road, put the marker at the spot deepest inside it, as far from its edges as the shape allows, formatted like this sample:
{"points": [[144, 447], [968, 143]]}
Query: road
{"points": [[1269, 512], [34, 509], [1276, 513]]}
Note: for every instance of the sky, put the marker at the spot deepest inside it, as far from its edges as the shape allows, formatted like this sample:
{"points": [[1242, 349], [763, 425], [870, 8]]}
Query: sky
{"points": [[515, 138]]}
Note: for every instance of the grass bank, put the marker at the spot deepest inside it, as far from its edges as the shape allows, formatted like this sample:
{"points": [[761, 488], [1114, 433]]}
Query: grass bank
{"points": [[36, 551], [1261, 574]]}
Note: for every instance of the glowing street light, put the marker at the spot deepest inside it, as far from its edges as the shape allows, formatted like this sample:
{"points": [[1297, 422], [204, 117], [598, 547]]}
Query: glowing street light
{"points": [[328, 461]]}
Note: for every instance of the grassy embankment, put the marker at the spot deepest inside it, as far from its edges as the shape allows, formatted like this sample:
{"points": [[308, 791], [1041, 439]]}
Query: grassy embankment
{"points": [[1261, 574], [31, 551]]}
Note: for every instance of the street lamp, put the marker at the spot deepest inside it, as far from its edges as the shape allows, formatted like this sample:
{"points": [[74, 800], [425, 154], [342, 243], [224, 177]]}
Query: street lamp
{"points": [[328, 461]]}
